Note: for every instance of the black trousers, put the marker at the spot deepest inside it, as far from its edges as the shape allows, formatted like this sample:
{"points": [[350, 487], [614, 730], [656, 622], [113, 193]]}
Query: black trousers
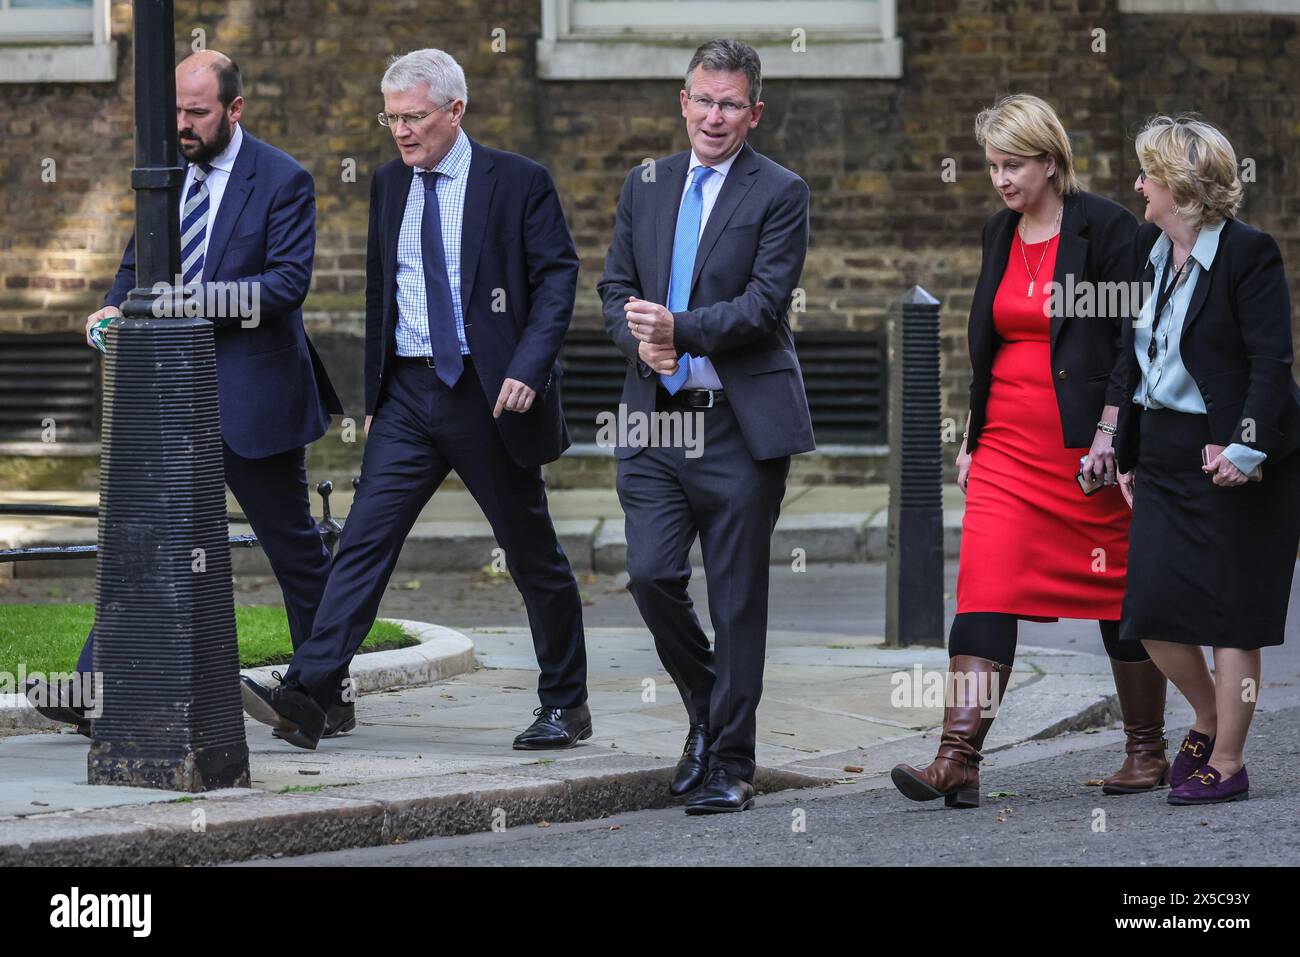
{"points": [[274, 497], [420, 432], [732, 503]]}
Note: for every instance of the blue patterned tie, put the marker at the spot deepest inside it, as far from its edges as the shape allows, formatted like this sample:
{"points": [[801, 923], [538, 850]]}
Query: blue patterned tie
{"points": [[685, 243], [447, 362], [194, 225]]}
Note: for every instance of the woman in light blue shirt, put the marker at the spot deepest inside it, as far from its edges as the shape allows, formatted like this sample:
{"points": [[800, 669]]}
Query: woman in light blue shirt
{"points": [[1207, 448]]}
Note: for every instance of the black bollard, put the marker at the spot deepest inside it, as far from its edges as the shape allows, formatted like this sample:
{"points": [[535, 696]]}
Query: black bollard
{"points": [[914, 573], [164, 611]]}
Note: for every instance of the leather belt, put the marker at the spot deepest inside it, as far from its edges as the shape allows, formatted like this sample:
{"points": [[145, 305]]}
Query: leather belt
{"points": [[696, 398], [427, 361]]}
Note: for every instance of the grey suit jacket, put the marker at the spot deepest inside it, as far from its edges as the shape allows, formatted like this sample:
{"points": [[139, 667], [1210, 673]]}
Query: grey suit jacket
{"points": [[746, 268]]}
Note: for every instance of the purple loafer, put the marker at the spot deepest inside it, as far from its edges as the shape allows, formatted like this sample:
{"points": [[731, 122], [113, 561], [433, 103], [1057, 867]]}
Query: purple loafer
{"points": [[1205, 787], [1196, 750]]}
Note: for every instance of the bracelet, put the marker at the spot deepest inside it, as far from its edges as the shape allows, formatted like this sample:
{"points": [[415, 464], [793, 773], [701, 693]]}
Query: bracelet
{"points": [[1107, 428]]}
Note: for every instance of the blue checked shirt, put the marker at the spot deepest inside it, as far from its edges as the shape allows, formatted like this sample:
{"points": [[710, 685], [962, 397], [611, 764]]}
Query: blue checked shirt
{"points": [[412, 310]]}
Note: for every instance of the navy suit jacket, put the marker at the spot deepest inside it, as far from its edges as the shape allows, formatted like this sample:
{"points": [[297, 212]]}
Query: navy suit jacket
{"points": [[274, 393], [1236, 344], [747, 265], [518, 278]]}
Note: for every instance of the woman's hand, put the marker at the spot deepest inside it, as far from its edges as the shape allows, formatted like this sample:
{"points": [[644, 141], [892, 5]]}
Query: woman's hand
{"points": [[1224, 472], [1100, 461], [963, 467], [1126, 487]]}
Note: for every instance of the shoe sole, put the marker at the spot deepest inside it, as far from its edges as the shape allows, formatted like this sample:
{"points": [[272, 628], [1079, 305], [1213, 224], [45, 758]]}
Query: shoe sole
{"points": [[344, 728], [1116, 791], [695, 809], [1186, 802], [528, 746], [259, 710], [915, 789]]}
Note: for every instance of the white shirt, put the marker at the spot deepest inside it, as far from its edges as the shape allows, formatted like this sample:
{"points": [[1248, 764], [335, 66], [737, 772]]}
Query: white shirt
{"points": [[221, 165], [703, 375]]}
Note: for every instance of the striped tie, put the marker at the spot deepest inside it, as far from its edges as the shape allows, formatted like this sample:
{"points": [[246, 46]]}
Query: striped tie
{"points": [[194, 225]]}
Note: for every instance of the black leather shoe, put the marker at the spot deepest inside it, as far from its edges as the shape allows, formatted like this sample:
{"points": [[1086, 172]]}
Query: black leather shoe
{"points": [[288, 708], [342, 714], [43, 698], [694, 762], [721, 793], [556, 729]]}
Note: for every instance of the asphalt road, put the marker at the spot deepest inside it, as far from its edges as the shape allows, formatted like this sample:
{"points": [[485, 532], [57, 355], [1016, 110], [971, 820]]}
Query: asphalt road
{"points": [[1048, 815]]}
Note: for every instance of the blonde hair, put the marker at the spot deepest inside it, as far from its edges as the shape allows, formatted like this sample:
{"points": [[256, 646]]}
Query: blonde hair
{"points": [[1024, 125], [1197, 164]]}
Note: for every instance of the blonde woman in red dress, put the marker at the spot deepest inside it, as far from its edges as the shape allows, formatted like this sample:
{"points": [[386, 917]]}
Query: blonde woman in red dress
{"points": [[1045, 390]]}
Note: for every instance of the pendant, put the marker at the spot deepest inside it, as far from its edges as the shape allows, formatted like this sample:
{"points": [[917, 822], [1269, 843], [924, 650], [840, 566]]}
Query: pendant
{"points": [[1031, 289]]}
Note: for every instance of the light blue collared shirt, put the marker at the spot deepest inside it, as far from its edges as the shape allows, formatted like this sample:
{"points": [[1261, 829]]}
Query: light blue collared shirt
{"points": [[412, 307], [1166, 383], [702, 374]]}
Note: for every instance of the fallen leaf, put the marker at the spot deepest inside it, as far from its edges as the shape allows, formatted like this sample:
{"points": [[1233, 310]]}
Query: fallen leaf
{"points": [[303, 771], [1004, 794], [853, 769], [1094, 783], [543, 823]]}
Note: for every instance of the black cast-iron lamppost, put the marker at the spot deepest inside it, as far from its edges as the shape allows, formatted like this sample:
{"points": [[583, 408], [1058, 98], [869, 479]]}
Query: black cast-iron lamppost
{"points": [[170, 714]]}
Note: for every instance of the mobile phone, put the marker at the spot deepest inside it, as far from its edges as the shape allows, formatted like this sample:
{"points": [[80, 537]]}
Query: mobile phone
{"points": [[1086, 485]]}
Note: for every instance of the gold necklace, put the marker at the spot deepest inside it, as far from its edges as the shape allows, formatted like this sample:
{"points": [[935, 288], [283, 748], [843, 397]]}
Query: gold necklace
{"points": [[1034, 274]]}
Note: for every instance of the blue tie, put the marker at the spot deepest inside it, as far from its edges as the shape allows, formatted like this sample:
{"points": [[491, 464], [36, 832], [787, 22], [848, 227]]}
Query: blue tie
{"points": [[685, 243], [194, 225], [441, 316]]}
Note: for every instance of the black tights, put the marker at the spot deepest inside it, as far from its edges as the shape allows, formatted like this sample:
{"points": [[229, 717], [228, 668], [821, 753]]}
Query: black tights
{"points": [[992, 635]]}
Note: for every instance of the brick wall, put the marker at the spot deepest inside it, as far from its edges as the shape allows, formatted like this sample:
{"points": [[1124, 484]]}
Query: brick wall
{"points": [[883, 218]]}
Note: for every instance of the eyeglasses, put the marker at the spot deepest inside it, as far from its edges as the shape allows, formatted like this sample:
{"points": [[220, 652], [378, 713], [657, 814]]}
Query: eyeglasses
{"points": [[410, 119], [729, 109], [1142, 175]]}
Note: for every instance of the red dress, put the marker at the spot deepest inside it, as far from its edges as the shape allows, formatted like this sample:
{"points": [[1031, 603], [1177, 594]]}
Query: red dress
{"points": [[1032, 543]]}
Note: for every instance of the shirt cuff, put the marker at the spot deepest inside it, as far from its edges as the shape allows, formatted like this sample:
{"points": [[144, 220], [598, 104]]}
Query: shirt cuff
{"points": [[1245, 458]]}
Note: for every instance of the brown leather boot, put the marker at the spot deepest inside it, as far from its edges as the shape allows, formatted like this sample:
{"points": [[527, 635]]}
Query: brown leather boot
{"points": [[1141, 688], [954, 774]]}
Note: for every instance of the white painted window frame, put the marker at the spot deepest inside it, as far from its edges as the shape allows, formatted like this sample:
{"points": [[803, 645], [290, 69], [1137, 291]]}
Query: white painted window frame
{"points": [[45, 46], [654, 39]]}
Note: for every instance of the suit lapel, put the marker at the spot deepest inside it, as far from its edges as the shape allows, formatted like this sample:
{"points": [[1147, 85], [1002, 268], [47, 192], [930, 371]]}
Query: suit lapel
{"points": [[669, 196], [390, 228], [1071, 256], [239, 186], [1202, 289], [734, 188], [478, 202], [986, 289]]}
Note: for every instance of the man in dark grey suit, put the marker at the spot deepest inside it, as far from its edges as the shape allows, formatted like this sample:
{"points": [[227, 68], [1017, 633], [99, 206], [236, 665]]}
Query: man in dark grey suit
{"points": [[708, 247]]}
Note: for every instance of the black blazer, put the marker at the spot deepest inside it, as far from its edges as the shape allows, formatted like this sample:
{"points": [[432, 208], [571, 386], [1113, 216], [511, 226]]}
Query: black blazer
{"points": [[746, 269], [514, 240], [1236, 344], [1095, 246]]}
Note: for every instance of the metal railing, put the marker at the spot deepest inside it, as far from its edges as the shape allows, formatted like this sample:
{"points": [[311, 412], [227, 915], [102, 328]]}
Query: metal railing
{"points": [[329, 527]]}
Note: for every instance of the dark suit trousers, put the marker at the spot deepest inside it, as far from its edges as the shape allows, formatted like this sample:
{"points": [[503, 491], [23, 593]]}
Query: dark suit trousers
{"points": [[420, 432], [732, 503], [273, 494]]}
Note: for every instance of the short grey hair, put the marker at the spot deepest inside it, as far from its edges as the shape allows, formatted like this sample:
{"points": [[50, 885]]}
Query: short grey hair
{"points": [[438, 69], [729, 56]]}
